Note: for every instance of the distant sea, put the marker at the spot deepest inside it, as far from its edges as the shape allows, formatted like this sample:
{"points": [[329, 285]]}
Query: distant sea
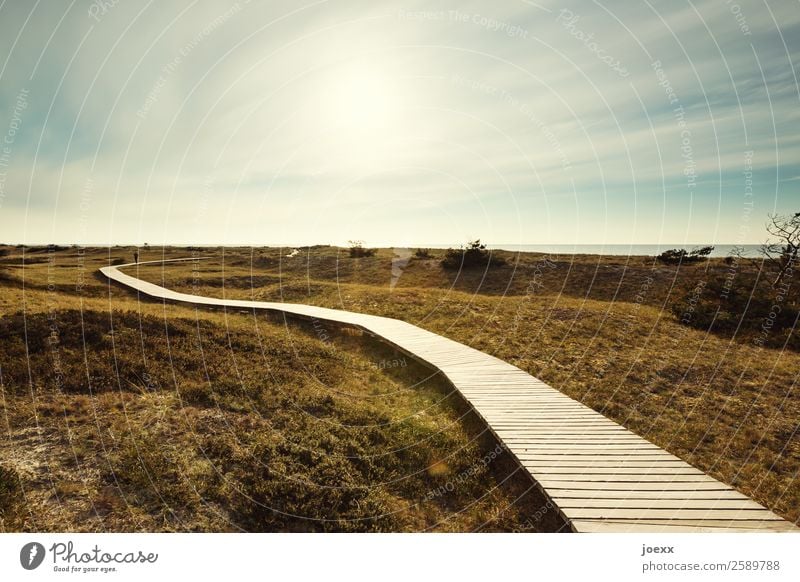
{"points": [[624, 250], [648, 250]]}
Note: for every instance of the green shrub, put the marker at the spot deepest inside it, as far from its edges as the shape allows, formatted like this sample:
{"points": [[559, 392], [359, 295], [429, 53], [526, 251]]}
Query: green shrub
{"points": [[677, 256], [358, 250], [474, 255]]}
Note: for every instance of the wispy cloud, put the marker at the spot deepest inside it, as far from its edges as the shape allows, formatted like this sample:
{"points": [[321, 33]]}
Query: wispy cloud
{"points": [[395, 122]]}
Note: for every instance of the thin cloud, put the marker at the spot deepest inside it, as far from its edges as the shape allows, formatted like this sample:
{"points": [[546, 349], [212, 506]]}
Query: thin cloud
{"points": [[294, 123]]}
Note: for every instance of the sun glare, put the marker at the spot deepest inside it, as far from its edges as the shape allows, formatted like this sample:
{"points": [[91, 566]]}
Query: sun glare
{"points": [[361, 99], [356, 115]]}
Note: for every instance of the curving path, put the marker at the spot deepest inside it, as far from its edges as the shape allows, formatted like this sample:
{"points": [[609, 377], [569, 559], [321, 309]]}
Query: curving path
{"points": [[600, 476]]}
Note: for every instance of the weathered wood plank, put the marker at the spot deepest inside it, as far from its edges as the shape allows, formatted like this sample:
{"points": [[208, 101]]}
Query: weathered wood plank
{"points": [[680, 503], [748, 514], [568, 495], [541, 471], [669, 526], [623, 486]]}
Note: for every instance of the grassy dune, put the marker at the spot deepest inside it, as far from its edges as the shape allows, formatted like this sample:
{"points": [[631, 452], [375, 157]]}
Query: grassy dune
{"points": [[127, 416], [599, 329]]}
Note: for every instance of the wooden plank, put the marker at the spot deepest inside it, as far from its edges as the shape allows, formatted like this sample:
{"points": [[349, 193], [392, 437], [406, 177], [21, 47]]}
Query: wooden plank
{"points": [[565, 495], [623, 457], [667, 526], [618, 486], [565, 449], [576, 441], [565, 446], [540, 471], [521, 428], [621, 479], [556, 454], [601, 432], [748, 514], [535, 415], [543, 467], [680, 503], [590, 463]]}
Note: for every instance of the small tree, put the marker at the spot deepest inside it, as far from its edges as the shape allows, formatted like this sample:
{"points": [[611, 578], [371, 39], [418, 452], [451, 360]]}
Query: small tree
{"points": [[757, 297], [676, 256], [701, 253], [422, 253], [672, 256], [780, 254]]}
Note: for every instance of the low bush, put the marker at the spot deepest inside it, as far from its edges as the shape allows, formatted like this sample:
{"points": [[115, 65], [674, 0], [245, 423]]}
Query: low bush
{"points": [[475, 254], [677, 256], [358, 250]]}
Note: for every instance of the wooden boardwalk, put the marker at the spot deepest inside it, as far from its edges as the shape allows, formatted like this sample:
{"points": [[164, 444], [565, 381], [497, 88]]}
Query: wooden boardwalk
{"points": [[600, 476]]}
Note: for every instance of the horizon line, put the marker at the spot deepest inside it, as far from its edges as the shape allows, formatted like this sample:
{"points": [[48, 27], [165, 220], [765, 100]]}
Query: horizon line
{"points": [[496, 246]]}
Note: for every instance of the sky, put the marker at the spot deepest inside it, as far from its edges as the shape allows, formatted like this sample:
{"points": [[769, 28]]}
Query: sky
{"points": [[397, 123]]}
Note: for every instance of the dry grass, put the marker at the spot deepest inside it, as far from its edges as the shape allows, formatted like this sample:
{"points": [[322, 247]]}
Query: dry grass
{"points": [[599, 329], [127, 416]]}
